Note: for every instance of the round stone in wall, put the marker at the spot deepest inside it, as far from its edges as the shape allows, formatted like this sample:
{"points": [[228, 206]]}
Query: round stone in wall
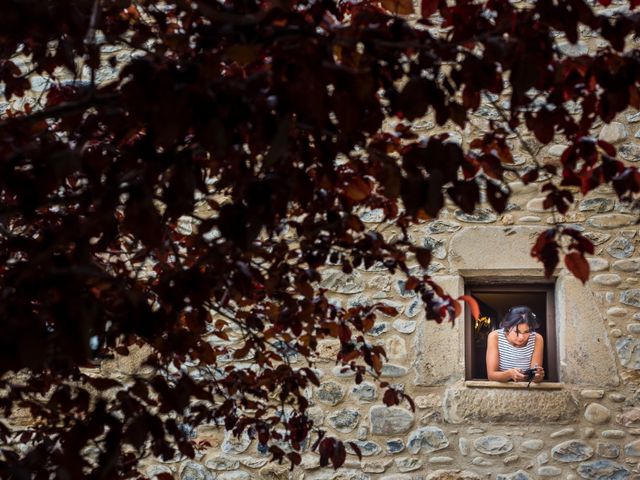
{"points": [[339, 282], [195, 471], [221, 462], [367, 448], [597, 204], [534, 444], [607, 450], [519, 475], [404, 326], [234, 444], [572, 451], [607, 279], [344, 420], [389, 420], [330, 393], [611, 220], [375, 215], [536, 205], [629, 151], [451, 475], [629, 418], [378, 329], [614, 132], [364, 392], [556, 150], [493, 445], [480, 215], [620, 248], [597, 414], [463, 445], [628, 349], [414, 308], [574, 50], [592, 393], [441, 226], [395, 445], [438, 247], [549, 471], [632, 449], [254, 462], [408, 464], [393, 371], [603, 470], [617, 312], [598, 238], [631, 265], [427, 440], [630, 297], [237, 475]]}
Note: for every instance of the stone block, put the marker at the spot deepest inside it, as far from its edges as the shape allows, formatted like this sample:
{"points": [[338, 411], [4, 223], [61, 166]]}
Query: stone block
{"points": [[613, 132], [630, 265], [620, 248], [427, 440], [603, 470], [344, 420], [468, 249], [629, 352], [597, 414], [453, 475], [389, 420], [438, 348], [480, 215], [493, 445], [468, 405], [607, 450], [364, 392], [194, 471], [519, 475], [534, 445], [330, 393], [609, 221], [586, 355], [572, 451]]}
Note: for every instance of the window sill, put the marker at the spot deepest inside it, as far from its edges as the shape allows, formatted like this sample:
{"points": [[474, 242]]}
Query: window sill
{"points": [[513, 385]]}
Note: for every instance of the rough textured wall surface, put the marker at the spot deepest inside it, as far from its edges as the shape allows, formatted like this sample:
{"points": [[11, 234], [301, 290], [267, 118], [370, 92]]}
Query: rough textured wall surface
{"points": [[589, 428]]}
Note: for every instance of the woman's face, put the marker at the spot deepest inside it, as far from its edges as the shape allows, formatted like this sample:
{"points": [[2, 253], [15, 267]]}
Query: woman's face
{"points": [[518, 335]]}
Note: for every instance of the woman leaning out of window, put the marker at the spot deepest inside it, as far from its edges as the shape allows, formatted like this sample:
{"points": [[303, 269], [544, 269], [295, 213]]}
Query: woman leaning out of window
{"points": [[515, 347]]}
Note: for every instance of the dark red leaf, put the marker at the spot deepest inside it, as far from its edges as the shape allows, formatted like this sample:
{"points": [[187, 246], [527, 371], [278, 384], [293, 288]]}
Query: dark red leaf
{"points": [[428, 8], [578, 265]]}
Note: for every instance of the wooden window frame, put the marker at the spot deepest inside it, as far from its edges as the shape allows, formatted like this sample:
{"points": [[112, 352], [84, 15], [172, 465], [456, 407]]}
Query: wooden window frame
{"points": [[498, 285]]}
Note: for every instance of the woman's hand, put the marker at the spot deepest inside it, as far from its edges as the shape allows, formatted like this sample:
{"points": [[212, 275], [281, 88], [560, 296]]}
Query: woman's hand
{"points": [[539, 375], [516, 375]]}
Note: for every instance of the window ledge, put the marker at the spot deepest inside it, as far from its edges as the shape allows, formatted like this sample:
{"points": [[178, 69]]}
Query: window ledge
{"points": [[514, 385]]}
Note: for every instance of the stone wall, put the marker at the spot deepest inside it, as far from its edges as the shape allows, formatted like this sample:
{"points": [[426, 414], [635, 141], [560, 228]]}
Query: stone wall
{"points": [[588, 428]]}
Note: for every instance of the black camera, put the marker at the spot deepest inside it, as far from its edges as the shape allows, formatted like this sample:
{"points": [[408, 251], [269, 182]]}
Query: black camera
{"points": [[530, 373]]}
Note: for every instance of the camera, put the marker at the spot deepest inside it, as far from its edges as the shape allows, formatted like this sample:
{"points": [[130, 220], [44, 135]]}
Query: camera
{"points": [[530, 373]]}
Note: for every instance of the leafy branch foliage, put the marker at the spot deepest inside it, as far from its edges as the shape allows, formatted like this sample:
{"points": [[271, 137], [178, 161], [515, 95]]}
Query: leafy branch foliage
{"points": [[185, 207]]}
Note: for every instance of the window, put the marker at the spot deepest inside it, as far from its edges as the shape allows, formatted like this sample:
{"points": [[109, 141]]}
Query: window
{"points": [[494, 299]]}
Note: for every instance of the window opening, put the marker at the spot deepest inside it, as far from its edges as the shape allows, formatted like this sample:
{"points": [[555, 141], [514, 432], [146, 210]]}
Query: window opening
{"points": [[494, 301]]}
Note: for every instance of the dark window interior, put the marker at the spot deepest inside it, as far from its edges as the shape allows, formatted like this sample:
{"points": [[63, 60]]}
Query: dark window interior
{"points": [[494, 301]]}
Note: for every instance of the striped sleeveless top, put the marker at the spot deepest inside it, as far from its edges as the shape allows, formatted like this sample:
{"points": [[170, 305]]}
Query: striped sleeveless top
{"points": [[514, 357]]}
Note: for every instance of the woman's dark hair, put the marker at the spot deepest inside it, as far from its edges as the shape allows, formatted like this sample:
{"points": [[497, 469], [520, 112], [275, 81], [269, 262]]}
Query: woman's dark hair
{"points": [[517, 315]]}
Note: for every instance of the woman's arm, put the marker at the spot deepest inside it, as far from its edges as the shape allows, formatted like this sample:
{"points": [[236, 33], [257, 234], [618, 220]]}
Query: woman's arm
{"points": [[493, 363], [537, 358]]}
